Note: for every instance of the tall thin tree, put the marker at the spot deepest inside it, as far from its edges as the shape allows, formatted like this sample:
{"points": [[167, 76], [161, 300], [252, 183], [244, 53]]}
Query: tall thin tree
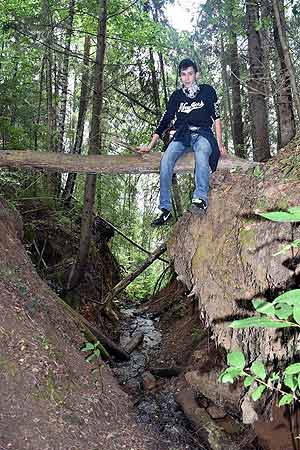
{"points": [[94, 148], [83, 104], [284, 96], [256, 85], [65, 76]]}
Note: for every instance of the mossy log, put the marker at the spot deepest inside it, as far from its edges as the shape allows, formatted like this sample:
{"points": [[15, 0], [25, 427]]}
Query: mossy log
{"points": [[138, 163]]}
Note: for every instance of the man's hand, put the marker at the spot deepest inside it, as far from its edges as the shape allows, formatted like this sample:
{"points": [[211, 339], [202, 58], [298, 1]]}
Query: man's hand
{"points": [[144, 149], [223, 150]]}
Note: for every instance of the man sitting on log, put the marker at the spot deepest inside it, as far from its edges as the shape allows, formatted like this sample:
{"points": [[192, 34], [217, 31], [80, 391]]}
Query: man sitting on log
{"points": [[195, 107]]}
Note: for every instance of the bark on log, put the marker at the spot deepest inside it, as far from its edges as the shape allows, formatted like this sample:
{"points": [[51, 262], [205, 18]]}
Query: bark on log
{"points": [[134, 342], [149, 163], [109, 345]]}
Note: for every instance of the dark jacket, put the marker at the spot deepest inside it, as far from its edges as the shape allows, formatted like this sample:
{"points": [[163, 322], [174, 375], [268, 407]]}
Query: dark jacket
{"points": [[199, 112]]}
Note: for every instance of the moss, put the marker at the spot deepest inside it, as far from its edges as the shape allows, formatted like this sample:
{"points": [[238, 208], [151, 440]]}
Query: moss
{"points": [[248, 237]]}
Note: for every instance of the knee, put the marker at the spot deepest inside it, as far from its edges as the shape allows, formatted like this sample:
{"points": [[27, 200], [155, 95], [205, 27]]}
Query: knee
{"points": [[203, 147]]}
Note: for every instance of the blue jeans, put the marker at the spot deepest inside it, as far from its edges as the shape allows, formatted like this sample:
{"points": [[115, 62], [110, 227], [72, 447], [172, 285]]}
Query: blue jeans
{"points": [[202, 149]]}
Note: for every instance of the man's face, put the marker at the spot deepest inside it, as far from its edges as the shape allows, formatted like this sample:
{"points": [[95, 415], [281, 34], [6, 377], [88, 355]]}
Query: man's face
{"points": [[188, 76]]}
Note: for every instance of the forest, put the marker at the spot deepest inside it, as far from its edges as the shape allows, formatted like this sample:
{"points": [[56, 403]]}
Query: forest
{"points": [[115, 334]]}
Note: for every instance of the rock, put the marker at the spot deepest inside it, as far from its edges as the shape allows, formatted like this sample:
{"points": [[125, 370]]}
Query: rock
{"points": [[215, 412], [207, 384], [149, 381], [209, 432], [249, 414]]}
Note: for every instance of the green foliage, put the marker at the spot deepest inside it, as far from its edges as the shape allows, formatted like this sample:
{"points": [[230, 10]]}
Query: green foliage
{"points": [[284, 306], [291, 215], [236, 359], [256, 377], [95, 349]]}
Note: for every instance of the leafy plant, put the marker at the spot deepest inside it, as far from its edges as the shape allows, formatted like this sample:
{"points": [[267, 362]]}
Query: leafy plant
{"points": [[256, 376], [95, 349], [291, 215]]}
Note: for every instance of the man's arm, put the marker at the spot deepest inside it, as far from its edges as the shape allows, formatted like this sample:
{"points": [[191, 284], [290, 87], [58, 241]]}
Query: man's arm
{"points": [[217, 121], [165, 121], [218, 127]]}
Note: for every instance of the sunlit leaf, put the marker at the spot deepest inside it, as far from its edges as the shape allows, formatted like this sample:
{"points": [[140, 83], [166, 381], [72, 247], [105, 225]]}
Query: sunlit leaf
{"points": [[291, 382], [285, 400], [259, 370], [248, 381], [260, 322], [296, 313], [88, 347], [236, 359], [263, 307], [258, 392], [292, 369], [283, 311], [291, 215], [290, 297]]}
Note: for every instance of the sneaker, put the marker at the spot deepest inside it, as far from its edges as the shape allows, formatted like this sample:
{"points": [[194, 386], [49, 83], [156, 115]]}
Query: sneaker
{"points": [[163, 219], [199, 206]]}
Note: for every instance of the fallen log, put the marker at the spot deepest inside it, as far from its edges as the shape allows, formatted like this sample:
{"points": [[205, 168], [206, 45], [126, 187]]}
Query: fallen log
{"points": [[134, 342], [130, 240], [166, 372], [94, 333], [132, 276], [138, 163]]}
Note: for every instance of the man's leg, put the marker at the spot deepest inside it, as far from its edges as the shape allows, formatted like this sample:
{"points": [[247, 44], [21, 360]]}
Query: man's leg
{"points": [[167, 164], [202, 150], [171, 155]]}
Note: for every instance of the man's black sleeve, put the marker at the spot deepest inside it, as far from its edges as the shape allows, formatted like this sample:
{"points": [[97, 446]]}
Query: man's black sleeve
{"points": [[215, 105], [168, 115]]}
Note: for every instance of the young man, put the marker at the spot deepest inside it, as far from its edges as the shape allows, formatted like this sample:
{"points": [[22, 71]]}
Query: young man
{"points": [[195, 107]]}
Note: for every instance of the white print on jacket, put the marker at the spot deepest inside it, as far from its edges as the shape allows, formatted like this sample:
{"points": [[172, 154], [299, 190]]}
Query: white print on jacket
{"points": [[186, 108]]}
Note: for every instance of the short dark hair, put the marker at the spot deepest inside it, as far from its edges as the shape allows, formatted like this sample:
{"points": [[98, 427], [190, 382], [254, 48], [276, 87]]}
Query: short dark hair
{"points": [[185, 63]]}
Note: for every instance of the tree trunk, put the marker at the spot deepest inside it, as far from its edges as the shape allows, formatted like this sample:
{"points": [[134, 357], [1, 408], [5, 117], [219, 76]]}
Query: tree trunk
{"points": [[227, 101], [256, 86], [156, 10], [155, 85], [51, 179], [286, 118], [94, 147], [237, 119], [176, 197], [83, 105], [163, 78], [65, 77], [37, 122], [286, 54]]}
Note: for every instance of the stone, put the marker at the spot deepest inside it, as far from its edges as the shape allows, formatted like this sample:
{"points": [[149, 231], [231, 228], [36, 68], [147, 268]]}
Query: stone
{"points": [[149, 381]]}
